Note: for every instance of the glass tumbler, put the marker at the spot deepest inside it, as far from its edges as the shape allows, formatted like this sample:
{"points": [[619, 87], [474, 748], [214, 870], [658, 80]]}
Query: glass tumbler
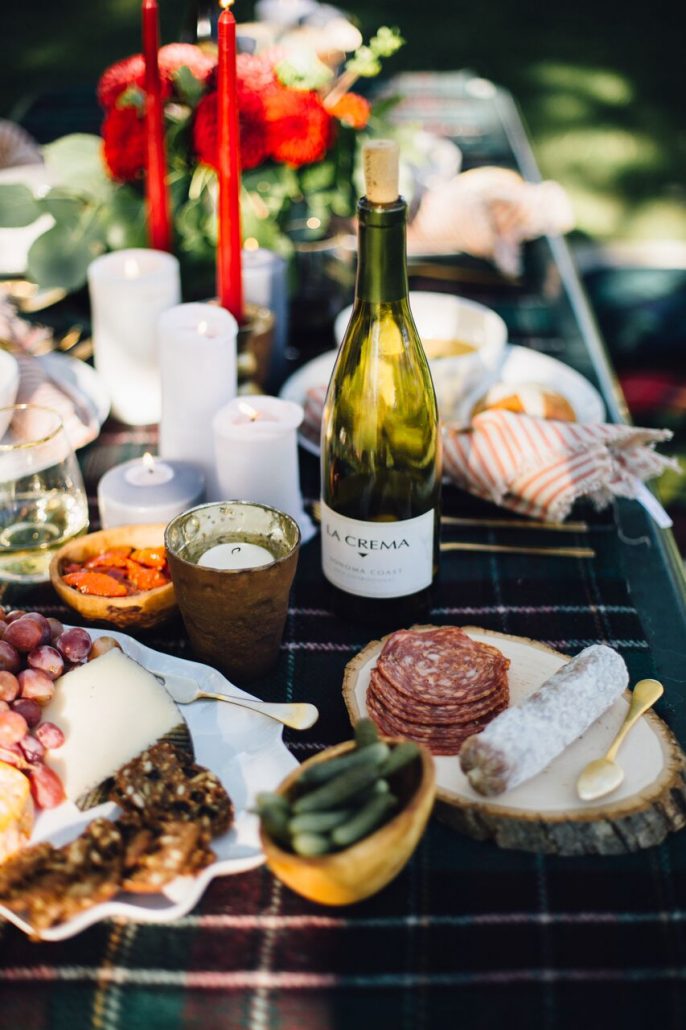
{"points": [[42, 497]]}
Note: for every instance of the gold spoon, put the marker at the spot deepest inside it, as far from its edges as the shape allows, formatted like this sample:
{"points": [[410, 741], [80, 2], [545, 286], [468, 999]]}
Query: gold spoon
{"points": [[603, 775]]}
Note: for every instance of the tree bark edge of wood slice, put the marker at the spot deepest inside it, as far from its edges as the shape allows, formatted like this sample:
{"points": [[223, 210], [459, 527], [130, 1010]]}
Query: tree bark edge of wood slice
{"points": [[640, 821]]}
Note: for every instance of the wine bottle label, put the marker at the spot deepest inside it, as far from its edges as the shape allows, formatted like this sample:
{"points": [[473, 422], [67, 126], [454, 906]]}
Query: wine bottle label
{"points": [[377, 559]]}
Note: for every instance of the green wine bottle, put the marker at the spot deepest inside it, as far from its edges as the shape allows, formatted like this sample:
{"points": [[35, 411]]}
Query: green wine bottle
{"points": [[380, 446]]}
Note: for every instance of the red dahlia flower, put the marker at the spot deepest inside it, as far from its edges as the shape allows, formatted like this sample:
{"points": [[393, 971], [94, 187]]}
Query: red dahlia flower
{"points": [[300, 131], [123, 133], [131, 71], [252, 129]]}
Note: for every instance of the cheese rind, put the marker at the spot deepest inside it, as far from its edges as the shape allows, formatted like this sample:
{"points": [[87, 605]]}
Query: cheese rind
{"points": [[16, 810], [109, 710]]}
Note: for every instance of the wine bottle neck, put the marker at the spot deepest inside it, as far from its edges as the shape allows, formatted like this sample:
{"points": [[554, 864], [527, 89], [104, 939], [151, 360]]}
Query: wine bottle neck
{"points": [[381, 261]]}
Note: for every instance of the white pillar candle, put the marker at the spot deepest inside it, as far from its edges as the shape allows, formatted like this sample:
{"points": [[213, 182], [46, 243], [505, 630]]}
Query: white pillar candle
{"points": [[148, 490], [265, 284], [257, 452], [237, 555], [128, 290], [197, 348]]}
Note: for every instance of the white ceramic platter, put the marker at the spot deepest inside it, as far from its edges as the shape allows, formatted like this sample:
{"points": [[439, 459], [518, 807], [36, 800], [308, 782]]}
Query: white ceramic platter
{"points": [[77, 378], [244, 749], [520, 365]]}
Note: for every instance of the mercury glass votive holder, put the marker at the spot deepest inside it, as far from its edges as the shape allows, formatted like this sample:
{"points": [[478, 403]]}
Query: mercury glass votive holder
{"points": [[234, 617]]}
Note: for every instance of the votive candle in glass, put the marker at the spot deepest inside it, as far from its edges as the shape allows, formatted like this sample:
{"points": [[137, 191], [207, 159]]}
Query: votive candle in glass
{"points": [[148, 490]]}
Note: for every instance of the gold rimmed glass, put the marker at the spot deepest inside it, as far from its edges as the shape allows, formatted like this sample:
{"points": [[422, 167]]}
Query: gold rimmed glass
{"points": [[42, 497]]}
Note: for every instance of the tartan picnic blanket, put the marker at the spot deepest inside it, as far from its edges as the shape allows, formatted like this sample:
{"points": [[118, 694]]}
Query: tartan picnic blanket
{"points": [[467, 935], [466, 931]]}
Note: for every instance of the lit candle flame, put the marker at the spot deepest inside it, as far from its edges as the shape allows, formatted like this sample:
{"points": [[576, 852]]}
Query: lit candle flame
{"points": [[225, 4], [250, 244], [131, 268], [247, 409], [202, 328], [148, 461]]}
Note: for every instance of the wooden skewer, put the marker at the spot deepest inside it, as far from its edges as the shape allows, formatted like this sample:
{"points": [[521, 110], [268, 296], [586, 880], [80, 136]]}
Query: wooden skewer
{"points": [[550, 552]]}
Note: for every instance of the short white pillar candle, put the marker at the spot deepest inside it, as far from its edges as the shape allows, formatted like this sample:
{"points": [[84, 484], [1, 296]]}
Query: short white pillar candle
{"points": [[257, 452], [128, 290], [148, 490], [197, 348]]}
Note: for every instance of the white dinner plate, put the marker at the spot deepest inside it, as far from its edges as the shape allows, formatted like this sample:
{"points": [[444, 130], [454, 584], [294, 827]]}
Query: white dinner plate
{"points": [[520, 365], [247, 752]]}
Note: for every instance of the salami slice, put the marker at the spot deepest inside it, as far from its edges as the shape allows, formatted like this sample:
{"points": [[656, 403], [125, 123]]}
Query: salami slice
{"points": [[441, 666], [433, 715], [437, 686]]}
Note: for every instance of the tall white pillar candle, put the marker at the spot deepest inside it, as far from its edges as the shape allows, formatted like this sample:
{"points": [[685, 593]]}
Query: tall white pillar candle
{"points": [[197, 348], [265, 284], [128, 290], [257, 452]]}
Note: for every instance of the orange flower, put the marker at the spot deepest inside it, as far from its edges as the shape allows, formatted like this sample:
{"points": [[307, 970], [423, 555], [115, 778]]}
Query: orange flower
{"points": [[352, 110], [300, 130]]}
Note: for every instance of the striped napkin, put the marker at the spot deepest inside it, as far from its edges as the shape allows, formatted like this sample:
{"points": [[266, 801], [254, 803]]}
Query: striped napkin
{"points": [[540, 467]]}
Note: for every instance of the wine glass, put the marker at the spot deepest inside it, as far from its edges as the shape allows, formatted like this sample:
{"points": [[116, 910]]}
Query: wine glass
{"points": [[42, 497]]}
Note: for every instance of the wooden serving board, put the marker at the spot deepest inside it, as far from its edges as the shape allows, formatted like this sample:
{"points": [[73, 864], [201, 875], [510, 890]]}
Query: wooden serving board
{"points": [[545, 814]]}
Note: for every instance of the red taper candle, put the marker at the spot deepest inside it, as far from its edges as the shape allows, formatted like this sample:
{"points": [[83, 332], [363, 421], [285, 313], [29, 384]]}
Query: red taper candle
{"points": [[229, 276], [157, 197]]}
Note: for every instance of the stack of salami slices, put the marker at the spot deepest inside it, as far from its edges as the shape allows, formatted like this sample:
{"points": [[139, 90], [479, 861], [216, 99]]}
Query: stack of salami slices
{"points": [[437, 686]]}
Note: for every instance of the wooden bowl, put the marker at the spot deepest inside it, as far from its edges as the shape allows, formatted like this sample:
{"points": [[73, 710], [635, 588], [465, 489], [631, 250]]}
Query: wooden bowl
{"points": [[361, 870], [138, 611]]}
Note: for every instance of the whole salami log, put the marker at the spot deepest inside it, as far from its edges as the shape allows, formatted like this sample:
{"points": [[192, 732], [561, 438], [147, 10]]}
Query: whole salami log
{"points": [[523, 740]]}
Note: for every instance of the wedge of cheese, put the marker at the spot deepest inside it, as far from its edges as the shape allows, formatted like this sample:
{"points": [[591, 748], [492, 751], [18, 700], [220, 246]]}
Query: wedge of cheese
{"points": [[16, 810], [109, 710]]}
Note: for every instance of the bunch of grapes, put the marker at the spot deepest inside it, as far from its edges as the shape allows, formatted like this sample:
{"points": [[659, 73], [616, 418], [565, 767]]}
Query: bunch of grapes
{"points": [[34, 652]]}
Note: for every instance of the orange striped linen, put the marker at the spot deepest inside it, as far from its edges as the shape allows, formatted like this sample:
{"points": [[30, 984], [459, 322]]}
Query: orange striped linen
{"points": [[540, 467]]}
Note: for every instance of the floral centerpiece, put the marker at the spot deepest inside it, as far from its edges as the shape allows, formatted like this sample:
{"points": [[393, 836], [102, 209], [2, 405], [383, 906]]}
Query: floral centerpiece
{"points": [[300, 129]]}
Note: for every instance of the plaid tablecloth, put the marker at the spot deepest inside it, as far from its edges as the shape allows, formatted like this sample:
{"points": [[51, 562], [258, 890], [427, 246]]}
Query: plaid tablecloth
{"points": [[468, 935]]}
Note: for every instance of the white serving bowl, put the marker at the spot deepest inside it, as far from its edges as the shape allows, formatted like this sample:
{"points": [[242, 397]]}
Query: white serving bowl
{"points": [[445, 323], [9, 384]]}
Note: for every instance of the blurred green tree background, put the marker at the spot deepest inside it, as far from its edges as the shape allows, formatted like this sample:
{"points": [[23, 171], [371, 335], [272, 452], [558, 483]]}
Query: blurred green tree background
{"points": [[600, 82]]}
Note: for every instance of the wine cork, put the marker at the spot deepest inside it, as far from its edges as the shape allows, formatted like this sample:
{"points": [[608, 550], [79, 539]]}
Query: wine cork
{"points": [[380, 161]]}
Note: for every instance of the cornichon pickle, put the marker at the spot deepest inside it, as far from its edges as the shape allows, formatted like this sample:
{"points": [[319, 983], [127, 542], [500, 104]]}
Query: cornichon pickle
{"points": [[335, 792], [401, 755], [311, 844], [319, 822], [268, 799], [275, 822], [369, 817], [365, 733], [372, 754]]}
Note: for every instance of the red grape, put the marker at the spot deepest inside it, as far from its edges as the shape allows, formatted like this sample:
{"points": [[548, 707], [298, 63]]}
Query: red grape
{"points": [[16, 614], [75, 645], [9, 686], [50, 736], [43, 623], [36, 686], [32, 749], [46, 786], [13, 727], [29, 709], [10, 660], [24, 634], [56, 629], [47, 659], [3, 627]]}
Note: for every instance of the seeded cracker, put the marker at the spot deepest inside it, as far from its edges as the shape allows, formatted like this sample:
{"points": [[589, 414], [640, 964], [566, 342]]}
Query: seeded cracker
{"points": [[155, 854]]}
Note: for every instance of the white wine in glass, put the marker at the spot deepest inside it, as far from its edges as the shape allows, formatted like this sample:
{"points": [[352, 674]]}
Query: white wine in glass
{"points": [[42, 497]]}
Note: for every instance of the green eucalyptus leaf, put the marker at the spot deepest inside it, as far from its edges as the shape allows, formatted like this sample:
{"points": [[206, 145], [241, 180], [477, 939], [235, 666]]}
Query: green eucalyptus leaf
{"points": [[316, 177], [75, 162], [124, 220], [65, 210], [18, 206], [132, 96], [61, 256]]}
